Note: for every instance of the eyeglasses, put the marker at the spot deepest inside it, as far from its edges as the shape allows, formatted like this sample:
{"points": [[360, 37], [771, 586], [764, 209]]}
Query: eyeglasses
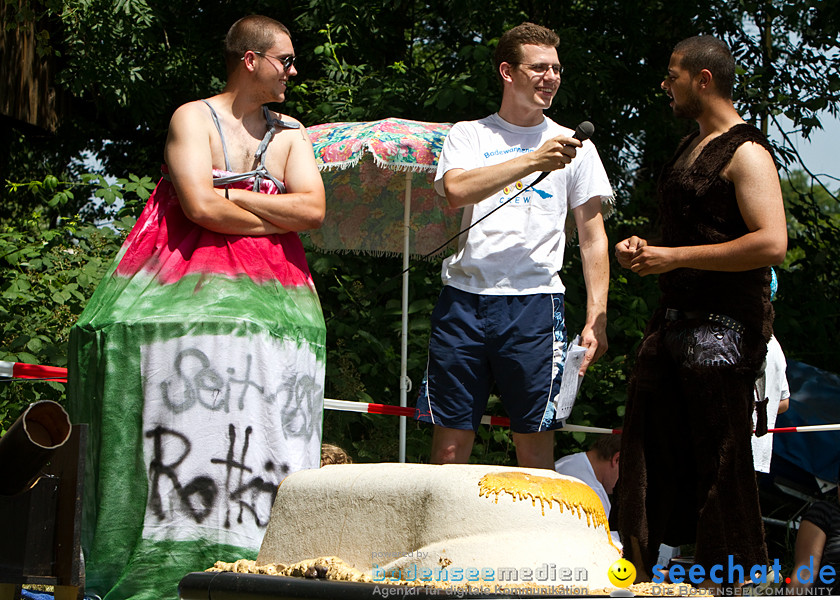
{"points": [[286, 61], [542, 68]]}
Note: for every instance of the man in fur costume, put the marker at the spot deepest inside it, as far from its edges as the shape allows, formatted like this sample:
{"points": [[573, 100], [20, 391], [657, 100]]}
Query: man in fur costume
{"points": [[686, 464]]}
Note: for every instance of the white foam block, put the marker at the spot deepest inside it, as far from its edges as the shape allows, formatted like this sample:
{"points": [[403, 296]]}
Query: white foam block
{"points": [[453, 523]]}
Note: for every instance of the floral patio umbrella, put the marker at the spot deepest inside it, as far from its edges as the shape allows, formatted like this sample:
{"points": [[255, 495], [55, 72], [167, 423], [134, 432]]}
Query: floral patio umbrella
{"points": [[378, 177], [384, 203]]}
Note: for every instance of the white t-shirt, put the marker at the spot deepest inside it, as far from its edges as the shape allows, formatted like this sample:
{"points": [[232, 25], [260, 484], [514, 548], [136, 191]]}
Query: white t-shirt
{"points": [[577, 465], [775, 389], [519, 249]]}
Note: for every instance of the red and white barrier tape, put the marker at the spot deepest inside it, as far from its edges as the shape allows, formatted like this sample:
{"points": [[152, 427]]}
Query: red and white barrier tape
{"points": [[18, 370], [27, 371], [806, 428], [407, 411]]}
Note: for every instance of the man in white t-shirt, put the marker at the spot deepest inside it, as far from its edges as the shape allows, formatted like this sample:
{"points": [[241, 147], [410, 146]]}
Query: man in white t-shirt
{"points": [[772, 399], [500, 316], [772, 395], [597, 467]]}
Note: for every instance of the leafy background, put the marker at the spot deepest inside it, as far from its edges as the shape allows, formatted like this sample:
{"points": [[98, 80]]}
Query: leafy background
{"points": [[121, 68]]}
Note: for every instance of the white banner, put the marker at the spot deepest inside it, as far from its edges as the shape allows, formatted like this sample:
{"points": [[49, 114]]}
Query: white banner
{"points": [[225, 419]]}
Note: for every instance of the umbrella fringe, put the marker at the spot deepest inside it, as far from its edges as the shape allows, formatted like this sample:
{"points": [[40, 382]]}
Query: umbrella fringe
{"points": [[382, 164], [414, 167], [337, 166], [608, 206]]}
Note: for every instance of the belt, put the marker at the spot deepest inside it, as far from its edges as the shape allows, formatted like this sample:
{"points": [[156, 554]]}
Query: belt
{"points": [[673, 314]]}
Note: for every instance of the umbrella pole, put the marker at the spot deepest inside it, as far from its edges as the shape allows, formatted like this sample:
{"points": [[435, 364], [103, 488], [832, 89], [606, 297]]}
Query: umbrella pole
{"points": [[405, 383]]}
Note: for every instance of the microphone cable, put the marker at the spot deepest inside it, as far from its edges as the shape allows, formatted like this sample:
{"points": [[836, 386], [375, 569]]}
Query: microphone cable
{"points": [[582, 132]]}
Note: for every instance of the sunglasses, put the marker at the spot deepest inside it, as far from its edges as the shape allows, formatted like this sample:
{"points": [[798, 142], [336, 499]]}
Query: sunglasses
{"points": [[286, 61]]}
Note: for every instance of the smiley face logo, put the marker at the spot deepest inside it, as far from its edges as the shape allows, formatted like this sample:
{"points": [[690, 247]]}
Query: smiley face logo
{"points": [[622, 573]]}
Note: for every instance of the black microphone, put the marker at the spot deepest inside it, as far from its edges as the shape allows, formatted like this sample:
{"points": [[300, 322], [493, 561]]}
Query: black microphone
{"points": [[583, 132]]}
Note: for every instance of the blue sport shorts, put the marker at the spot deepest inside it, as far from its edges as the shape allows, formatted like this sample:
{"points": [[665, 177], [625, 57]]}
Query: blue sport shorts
{"points": [[518, 341]]}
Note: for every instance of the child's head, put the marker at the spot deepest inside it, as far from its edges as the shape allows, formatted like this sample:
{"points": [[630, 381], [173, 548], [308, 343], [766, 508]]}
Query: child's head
{"points": [[333, 455]]}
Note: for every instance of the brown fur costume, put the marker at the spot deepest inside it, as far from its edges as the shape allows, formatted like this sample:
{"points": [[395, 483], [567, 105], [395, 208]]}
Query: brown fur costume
{"points": [[686, 461]]}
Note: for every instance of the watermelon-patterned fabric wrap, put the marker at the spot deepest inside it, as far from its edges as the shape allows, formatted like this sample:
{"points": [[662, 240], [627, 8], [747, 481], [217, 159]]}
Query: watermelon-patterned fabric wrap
{"points": [[199, 366]]}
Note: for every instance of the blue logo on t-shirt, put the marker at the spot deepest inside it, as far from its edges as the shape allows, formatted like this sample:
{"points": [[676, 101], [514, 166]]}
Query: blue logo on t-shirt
{"points": [[505, 151]]}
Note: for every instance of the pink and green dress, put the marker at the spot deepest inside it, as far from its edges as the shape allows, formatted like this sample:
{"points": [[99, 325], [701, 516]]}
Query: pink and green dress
{"points": [[199, 365]]}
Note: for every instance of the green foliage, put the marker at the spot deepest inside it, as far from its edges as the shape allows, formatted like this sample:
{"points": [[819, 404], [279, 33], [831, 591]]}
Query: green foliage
{"points": [[809, 281], [790, 74], [47, 274], [46, 279], [361, 300]]}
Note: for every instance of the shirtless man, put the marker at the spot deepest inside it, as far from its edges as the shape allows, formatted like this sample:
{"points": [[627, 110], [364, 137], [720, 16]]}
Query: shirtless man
{"points": [[260, 60]]}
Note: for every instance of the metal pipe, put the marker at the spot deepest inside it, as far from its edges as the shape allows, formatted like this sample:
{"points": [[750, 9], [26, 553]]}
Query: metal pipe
{"points": [[30, 443], [405, 383]]}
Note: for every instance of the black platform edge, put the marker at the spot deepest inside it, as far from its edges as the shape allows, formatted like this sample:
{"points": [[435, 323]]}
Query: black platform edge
{"points": [[247, 586]]}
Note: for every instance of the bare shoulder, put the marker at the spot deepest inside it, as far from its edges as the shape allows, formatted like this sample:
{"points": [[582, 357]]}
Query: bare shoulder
{"points": [[189, 109], [291, 129], [189, 137], [290, 152], [192, 115], [286, 118], [289, 121], [751, 160]]}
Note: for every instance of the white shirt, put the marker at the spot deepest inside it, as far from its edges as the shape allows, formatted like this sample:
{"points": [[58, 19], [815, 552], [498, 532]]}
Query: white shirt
{"points": [[577, 465], [776, 389], [519, 248]]}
